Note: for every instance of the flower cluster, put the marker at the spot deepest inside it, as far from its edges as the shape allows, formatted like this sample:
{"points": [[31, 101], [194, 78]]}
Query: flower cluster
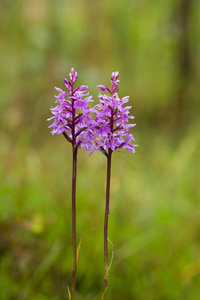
{"points": [[72, 113], [110, 129]]}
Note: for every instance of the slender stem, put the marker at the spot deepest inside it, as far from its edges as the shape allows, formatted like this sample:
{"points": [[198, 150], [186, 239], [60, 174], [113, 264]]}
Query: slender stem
{"points": [[74, 150], [106, 223], [74, 169]]}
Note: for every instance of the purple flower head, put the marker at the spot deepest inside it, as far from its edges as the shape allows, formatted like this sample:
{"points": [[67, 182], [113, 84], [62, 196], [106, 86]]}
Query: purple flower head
{"points": [[72, 114], [110, 129]]}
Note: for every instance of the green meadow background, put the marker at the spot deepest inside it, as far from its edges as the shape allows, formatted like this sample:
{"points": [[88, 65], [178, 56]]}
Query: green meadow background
{"points": [[154, 222]]}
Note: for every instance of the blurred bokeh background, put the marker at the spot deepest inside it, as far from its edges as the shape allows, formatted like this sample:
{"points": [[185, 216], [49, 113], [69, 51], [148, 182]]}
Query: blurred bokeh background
{"points": [[154, 223]]}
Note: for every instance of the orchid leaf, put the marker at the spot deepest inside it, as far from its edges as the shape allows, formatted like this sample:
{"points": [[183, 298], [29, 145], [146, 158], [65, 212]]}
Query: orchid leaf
{"points": [[78, 249], [69, 294]]}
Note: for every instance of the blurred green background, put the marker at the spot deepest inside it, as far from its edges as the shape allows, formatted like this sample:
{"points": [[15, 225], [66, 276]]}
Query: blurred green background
{"points": [[154, 223]]}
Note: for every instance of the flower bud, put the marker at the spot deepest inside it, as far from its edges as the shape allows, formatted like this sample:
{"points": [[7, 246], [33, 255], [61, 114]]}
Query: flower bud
{"points": [[114, 76]]}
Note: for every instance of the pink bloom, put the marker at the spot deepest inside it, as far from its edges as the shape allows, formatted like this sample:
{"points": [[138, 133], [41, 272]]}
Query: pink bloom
{"points": [[110, 129], [66, 118]]}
